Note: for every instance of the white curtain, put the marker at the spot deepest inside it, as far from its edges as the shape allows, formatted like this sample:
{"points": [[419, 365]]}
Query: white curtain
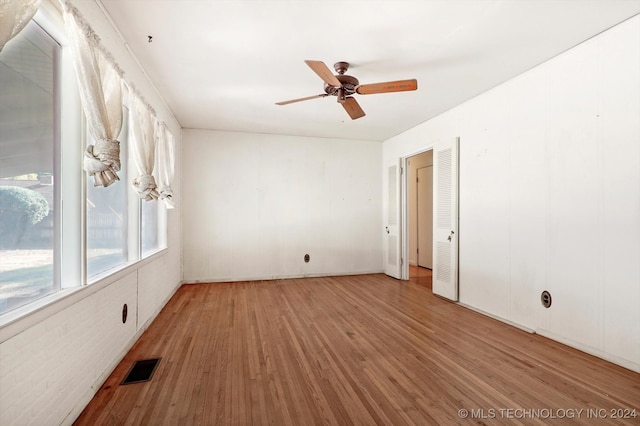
{"points": [[100, 83], [14, 15], [165, 164], [143, 145]]}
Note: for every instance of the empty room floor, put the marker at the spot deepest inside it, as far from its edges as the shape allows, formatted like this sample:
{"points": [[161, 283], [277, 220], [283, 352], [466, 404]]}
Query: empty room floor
{"points": [[365, 350]]}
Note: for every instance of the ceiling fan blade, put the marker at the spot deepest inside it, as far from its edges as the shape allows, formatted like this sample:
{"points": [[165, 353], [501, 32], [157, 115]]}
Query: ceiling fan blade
{"points": [[322, 95], [324, 73], [387, 87], [353, 108]]}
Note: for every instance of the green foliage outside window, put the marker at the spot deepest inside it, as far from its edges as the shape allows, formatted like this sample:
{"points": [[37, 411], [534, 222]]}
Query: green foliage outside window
{"points": [[20, 209]]}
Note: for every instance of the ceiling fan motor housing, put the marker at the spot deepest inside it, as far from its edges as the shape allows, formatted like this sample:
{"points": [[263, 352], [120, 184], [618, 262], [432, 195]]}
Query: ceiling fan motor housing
{"points": [[349, 84]]}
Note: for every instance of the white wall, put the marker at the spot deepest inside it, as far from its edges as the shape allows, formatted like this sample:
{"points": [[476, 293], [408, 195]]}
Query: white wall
{"points": [[550, 195], [256, 204], [53, 361]]}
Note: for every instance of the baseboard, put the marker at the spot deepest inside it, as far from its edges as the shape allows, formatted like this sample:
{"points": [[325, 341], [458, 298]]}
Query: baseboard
{"points": [[622, 362], [498, 318], [278, 277], [88, 396]]}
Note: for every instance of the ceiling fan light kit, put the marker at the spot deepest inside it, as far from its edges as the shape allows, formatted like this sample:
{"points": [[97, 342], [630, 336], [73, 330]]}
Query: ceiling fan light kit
{"points": [[344, 86]]}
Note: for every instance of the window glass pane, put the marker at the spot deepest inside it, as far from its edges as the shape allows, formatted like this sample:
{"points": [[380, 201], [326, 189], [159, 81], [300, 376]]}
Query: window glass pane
{"points": [[149, 227], [107, 243], [27, 173]]}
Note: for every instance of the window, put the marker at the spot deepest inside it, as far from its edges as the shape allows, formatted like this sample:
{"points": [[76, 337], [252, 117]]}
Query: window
{"points": [[107, 218], [28, 214], [28, 167], [41, 153], [149, 227]]}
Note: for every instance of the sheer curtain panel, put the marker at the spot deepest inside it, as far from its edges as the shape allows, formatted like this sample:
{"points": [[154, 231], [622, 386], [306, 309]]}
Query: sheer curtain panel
{"points": [[14, 15], [100, 83], [143, 147], [165, 164]]}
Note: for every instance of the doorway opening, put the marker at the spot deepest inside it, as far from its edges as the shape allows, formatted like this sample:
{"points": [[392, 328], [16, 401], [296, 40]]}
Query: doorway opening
{"points": [[445, 219], [419, 200]]}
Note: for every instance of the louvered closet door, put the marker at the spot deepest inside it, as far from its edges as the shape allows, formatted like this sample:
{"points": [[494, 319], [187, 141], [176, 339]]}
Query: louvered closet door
{"points": [[393, 263], [445, 219]]}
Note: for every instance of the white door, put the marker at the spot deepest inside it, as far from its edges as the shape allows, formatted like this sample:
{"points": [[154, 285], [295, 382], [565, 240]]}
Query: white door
{"points": [[393, 262], [425, 216], [445, 218]]}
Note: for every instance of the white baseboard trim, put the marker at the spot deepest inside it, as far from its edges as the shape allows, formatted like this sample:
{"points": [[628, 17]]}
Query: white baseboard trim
{"points": [[277, 277], [622, 362], [633, 366], [496, 317]]}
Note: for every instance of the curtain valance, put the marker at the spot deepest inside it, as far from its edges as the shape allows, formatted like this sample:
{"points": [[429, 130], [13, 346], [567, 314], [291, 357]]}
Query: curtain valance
{"points": [[165, 164], [143, 146], [100, 84]]}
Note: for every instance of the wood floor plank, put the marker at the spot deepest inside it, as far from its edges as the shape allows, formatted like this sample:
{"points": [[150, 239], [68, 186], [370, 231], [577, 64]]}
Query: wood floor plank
{"points": [[358, 350]]}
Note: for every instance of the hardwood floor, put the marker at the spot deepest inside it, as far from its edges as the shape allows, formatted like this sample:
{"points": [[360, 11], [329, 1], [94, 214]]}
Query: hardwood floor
{"points": [[353, 350]]}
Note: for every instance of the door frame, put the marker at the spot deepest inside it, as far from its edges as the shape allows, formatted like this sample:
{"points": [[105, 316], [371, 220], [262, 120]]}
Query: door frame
{"points": [[404, 206], [404, 209]]}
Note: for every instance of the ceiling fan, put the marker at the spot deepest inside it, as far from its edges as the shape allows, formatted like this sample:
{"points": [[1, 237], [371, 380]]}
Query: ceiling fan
{"points": [[344, 86]]}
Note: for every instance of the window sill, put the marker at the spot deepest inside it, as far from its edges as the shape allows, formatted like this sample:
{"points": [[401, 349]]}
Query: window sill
{"points": [[20, 319]]}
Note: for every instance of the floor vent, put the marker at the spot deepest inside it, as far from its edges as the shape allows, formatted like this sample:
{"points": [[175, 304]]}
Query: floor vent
{"points": [[142, 371]]}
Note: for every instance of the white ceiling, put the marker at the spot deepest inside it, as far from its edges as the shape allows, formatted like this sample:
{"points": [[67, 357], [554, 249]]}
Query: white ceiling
{"points": [[223, 64]]}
